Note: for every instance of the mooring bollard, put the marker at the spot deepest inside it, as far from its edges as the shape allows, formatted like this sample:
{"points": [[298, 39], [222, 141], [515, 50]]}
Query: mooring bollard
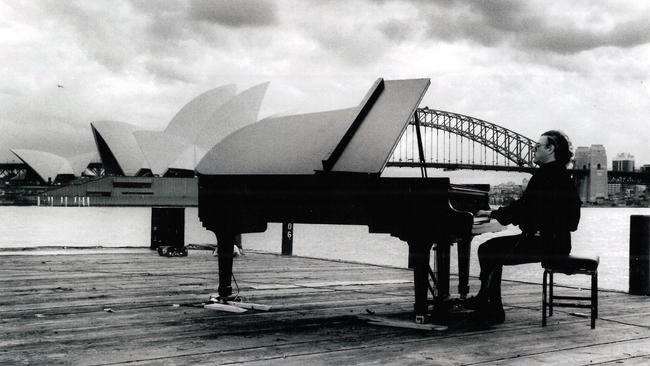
{"points": [[639, 255], [167, 227], [287, 238]]}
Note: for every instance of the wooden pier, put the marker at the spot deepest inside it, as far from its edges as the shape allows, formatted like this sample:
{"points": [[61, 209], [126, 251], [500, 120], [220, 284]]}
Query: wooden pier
{"points": [[135, 307]]}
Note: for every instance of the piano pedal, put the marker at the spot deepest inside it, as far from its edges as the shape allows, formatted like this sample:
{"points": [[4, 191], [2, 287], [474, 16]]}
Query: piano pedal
{"points": [[395, 323], [236, 252], [214, 298], [224, 307], [236, 301]]}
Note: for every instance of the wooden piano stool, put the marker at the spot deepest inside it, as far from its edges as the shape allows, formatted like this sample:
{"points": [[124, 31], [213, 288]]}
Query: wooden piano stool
{"points": [[569, 266]]}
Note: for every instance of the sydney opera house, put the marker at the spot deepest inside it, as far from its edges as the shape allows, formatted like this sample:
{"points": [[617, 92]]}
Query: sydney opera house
{"points": [[138, 164]]}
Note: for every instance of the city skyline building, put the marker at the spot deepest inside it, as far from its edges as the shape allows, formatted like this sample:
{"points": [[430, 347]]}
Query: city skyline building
{"points": [[624, 162]]}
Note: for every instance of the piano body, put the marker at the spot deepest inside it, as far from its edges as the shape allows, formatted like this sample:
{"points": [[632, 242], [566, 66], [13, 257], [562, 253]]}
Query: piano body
{"points": [[325, 168]]}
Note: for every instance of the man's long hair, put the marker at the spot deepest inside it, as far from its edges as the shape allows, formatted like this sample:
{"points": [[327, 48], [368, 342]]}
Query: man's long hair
{"points": [[562, 145]]}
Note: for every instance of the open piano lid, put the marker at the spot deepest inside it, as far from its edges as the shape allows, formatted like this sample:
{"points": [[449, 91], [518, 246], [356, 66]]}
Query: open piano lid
{"points": [[358, 140]]}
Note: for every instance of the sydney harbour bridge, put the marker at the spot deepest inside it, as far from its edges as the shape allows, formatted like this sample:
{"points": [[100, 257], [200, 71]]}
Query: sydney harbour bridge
{"points": [[446, 140], [453, 141]]}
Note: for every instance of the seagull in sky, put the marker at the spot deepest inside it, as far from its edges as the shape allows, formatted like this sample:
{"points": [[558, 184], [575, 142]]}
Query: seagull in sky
{"points": [[59, 86]]}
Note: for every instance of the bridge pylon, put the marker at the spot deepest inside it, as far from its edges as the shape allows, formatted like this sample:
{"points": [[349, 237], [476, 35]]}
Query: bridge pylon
{"points": [[591, 186]]}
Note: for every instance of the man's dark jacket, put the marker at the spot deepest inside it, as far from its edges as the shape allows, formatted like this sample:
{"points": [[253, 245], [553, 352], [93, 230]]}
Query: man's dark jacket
{"points": [[550, 205]]}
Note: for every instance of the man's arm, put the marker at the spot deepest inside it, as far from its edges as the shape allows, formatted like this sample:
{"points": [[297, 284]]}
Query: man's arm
{"points": [[511, 214]]}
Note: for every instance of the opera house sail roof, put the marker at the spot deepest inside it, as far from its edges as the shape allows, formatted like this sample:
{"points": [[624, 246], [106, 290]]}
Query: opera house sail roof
{"points": [[240, 111], [117, 147], [160, 149], [190, 120], [199, 125], [80, 162], [46, 165]]}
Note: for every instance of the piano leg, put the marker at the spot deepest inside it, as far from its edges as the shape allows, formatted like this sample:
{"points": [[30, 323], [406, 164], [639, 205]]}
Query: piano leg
{"points": [[225, 247], [419, 256], [464, 248], [443, 250]]}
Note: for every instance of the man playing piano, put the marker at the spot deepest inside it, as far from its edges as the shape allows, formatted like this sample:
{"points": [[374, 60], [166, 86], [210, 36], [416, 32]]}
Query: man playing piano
{"points": [[547, 212]]}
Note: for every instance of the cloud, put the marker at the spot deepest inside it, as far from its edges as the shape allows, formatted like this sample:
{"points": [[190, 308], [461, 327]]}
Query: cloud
{"points": [[169, 70], [359, 49], [569, 39], [166, 23], [535, 26], [169, 27], [158, 6], [10, 91], [103, 33], [236, 14], [352, 32], [398, 30], [126, 37]]}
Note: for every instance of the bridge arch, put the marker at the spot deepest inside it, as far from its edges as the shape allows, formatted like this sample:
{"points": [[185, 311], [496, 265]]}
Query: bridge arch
{"points": [[512, 146]]}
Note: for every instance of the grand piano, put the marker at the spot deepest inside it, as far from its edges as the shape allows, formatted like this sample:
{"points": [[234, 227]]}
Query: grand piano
{"points": [[326, 168]]}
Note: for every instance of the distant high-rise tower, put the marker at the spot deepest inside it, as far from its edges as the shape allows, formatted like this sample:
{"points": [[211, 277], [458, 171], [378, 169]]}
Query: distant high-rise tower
{"points": [[594, 159], [623, 162]]}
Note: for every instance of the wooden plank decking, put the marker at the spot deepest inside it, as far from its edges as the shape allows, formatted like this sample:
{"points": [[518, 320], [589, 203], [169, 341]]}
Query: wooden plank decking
{"points": [[118, 308]]}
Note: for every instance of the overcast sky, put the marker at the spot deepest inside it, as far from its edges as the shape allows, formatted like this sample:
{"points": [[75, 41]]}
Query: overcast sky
{"points": [[581, 66]]}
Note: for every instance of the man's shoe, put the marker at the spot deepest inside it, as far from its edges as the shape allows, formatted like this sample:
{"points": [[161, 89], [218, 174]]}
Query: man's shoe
{"points": [[496, 314], [477, 302], [490, 314]]}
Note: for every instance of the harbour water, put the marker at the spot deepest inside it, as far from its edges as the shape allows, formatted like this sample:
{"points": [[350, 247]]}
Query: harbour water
{"points": [[603, 232]]}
